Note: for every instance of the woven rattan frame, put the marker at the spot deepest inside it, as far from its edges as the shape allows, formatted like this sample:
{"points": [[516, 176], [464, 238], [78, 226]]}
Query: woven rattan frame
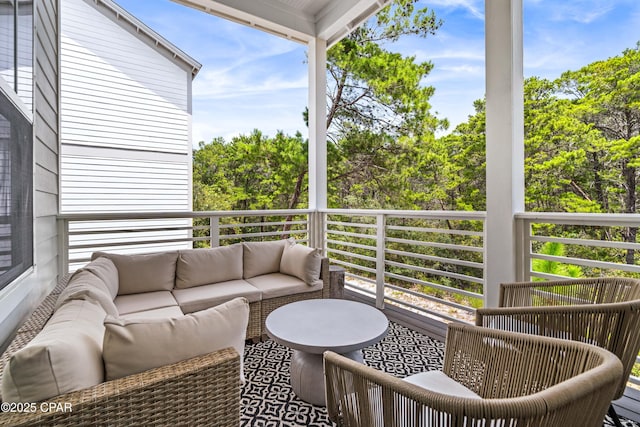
{"points": [[522, 379], [600, 311]]}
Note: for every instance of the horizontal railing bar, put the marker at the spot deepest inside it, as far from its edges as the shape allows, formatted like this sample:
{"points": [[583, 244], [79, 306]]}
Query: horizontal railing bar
{"points": [[429, 297], [265, 234], [587, 242], [624, 220], [422, 309], [261, 224], [436, 245], [351, 254], [350, 224], [435, 230], [453, 215], [356, 276], [356, 266], [436, 272], [129, 243], [547, 276], [424, 257], [104, 216], [351, 244], [359, 289], [128, 230], [588, 263], [348, 234], [433, 285]]}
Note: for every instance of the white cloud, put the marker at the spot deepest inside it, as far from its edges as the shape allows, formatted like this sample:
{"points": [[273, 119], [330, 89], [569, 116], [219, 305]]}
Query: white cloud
{"points": [[474, 7]]}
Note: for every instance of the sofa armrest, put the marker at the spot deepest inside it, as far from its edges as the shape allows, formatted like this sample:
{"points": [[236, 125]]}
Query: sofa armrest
{"points": [[198, 391]]}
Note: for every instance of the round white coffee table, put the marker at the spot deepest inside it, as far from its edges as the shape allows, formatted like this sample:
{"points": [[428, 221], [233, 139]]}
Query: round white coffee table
{"points": [[312, 327]]}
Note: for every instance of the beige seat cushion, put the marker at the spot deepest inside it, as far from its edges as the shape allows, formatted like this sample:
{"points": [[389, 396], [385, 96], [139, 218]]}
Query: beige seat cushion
{"points": [[106, 270], [143, 272], [65, 356], [132, 346], [84, 285], [301, 261], [439, 382], [277, 285], [203, 297], [157, 313], [262, 257], [205, 266], [127, 304]]}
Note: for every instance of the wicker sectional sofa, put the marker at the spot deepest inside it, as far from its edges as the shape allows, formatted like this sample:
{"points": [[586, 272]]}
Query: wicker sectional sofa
{"points": [[250, 279]]}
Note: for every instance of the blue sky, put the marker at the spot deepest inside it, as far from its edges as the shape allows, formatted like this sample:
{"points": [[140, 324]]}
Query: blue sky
{"points": [[253, 80]]}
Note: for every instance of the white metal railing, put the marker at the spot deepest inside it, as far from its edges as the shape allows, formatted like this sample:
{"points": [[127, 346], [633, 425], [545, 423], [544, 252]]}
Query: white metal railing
{"points": [[431, 262], [606, 256], [83, 234]]}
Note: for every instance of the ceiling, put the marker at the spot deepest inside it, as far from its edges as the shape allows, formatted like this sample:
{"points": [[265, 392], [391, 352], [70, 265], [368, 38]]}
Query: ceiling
{"points": [[298, 20]]}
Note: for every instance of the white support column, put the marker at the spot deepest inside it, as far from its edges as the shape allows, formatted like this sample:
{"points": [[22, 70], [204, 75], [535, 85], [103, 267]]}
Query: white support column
{"points": [[505, 141], [317, 56]]}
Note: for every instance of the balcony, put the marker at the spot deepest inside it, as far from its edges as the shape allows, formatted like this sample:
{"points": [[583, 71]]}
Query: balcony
{"points": [[424, 269]]}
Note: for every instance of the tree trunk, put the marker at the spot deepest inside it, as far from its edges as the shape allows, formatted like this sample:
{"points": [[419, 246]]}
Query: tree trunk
{"points": [[293, 202], [629, 174]]}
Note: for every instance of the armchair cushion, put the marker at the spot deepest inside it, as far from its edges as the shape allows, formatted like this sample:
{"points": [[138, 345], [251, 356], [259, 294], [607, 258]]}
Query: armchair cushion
{"points": [[136, 345], [439, 382]]}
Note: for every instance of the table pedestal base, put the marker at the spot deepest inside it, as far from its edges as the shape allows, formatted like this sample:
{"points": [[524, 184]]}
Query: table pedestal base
{"points": [[307, 375]]}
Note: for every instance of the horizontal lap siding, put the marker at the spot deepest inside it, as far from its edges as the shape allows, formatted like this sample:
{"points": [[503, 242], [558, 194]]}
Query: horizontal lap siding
{"points": [[103, 184], [126, 120]]}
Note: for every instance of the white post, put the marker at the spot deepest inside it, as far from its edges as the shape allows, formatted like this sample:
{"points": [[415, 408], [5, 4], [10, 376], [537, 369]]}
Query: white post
{"points": [[214, 231], [505, 141], [317, 126], [380, 257]]}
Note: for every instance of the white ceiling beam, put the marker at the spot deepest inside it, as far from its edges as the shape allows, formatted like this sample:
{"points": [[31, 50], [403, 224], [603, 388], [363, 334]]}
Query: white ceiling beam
{"points": [[267, 15], [339, 18]]}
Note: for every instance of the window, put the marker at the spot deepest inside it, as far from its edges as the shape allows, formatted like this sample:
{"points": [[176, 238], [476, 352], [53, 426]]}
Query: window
{"points": [[16, 139]]}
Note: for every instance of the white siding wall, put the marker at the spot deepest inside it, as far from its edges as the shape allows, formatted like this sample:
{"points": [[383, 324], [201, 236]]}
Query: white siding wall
{"points": [[18, 299], [126, 120]]}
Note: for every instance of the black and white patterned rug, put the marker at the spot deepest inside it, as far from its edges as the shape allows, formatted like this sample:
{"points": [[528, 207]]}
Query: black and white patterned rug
{"points": [[267, 397]]}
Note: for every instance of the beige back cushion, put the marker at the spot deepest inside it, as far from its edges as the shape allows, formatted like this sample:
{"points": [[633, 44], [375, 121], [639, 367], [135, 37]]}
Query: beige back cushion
{"points": [[84, 285], [262, 257], [301, 261], [132, 346], [106, 270], [65, 356], [206, 266], [143, 272]]}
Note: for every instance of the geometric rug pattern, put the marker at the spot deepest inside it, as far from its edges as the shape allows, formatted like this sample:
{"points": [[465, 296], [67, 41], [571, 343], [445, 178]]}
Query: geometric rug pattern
{"points": [[269, 401]]}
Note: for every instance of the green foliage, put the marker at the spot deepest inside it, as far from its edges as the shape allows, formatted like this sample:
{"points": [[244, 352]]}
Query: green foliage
{"points": [[555, 267]]}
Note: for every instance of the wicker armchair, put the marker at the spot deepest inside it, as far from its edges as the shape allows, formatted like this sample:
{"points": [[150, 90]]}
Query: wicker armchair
{"points": [[521, 379], [600, 311]]}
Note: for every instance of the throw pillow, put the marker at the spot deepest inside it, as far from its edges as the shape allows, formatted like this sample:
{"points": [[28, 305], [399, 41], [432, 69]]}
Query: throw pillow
{"points": [[136, 345], [301, 261]]}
